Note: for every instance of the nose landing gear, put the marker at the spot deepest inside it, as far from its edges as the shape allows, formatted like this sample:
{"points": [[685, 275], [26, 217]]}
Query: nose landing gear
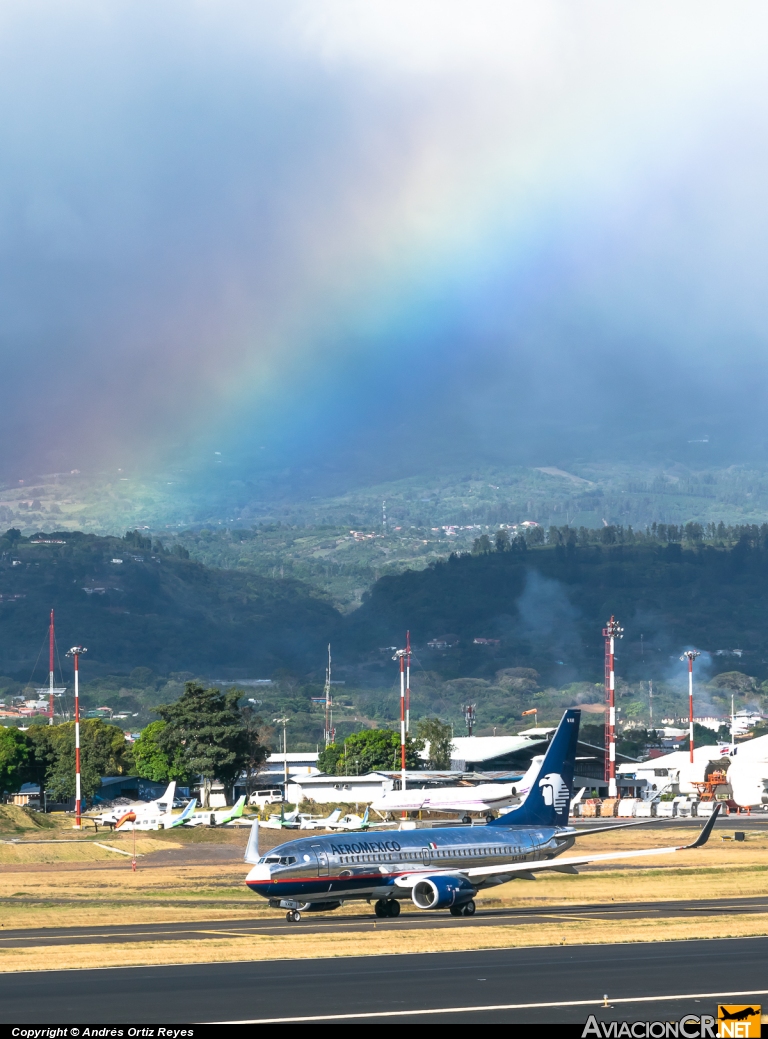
{"points": [[387, 907]]}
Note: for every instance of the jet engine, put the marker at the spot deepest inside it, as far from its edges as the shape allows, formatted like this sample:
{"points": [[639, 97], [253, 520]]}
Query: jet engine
{"points": [[442, 892]]}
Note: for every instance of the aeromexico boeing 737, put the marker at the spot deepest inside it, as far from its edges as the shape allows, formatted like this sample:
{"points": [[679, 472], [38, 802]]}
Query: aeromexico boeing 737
{"points": [[440, 868]]}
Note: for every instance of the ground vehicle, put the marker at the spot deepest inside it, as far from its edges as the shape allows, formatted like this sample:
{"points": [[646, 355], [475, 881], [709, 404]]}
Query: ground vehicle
{"points": [[262, 798]]}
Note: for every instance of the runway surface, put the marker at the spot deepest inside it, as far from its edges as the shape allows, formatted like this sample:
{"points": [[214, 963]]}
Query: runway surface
{"points": [[661, 981], [365, 921]]}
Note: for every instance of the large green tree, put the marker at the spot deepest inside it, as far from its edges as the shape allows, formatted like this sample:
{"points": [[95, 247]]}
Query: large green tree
{"points": [[439, 736], [255, 744], [16, 756], [369, 751], [154, 761], [207, 724], [103, 752]]}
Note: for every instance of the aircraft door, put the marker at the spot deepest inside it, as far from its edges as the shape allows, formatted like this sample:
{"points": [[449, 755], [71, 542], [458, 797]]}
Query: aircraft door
{"points": [[322, 860]]}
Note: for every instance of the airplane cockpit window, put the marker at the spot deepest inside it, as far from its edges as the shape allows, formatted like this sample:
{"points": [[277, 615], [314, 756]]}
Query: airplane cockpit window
{"points": [[287, 860]]}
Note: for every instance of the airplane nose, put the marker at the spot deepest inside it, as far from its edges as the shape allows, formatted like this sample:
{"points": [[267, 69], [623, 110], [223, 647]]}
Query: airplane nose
{"points": [[259, 874]]}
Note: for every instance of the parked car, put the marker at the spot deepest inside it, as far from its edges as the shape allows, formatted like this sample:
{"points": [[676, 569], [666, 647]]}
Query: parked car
{"points": [[262, 798]]}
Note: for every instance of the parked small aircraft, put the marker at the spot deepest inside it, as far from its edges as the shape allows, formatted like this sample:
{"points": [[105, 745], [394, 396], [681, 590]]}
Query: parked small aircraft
{"points": [[313, 822], [160, 821], [219, 818], [284, 821], [138, 809]]}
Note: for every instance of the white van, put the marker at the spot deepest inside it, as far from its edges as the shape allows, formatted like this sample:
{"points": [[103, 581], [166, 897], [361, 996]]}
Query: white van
{"points": [[262, 798]]}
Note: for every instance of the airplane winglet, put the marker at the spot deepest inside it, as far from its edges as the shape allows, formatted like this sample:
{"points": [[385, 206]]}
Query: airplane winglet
{"points": [[703, 837]]}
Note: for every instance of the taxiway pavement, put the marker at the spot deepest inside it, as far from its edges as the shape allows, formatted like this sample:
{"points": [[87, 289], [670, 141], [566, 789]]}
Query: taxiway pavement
{"points": [[654, 981]]}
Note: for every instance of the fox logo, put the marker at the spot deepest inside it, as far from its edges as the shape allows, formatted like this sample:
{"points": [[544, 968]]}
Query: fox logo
{"points": [[554, 791]]}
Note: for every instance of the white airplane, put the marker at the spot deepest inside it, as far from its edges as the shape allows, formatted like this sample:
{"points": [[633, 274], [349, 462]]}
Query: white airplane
{"points": [[461, 800], [284, 821], [312, 822], [160, 821], [354, 822], [220, 818], [138, 809], [748, 774]]}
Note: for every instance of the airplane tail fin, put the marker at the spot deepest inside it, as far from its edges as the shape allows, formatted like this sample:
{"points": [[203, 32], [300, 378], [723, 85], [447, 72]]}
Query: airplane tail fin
{"points": [[549, 798], [334, 816], [168, 796], [252, 848], [188, 810], [365, 817], [237, 810]]}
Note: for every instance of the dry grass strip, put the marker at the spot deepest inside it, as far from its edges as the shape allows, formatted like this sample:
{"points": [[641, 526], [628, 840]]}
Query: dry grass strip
{"points": [[294, 945]]}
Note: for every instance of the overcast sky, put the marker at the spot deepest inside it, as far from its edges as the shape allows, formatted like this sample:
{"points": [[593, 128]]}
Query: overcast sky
{"points": [[380, 234]]}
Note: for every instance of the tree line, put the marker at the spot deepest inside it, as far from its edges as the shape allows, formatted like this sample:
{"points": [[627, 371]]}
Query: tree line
{"points": [[204, 735], [751, 535]]}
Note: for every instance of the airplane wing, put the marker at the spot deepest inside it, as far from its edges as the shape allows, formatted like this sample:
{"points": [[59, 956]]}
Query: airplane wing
{"points": [[561, 865]]}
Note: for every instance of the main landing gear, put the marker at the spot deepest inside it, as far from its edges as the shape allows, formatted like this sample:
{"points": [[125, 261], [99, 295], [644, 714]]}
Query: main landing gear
{"points": [[387, 907], [468, 909], [293, 916]]}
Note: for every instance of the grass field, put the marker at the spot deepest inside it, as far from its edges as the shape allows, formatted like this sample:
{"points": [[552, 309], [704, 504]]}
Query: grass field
{"points": [[294, 945], [100, 890]]}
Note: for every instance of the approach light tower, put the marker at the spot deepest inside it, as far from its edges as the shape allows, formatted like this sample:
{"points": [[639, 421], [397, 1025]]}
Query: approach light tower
{"points": [[75, 653], [611, 632], [407, 682], [330, 732], [690, 655], [401, 655]]}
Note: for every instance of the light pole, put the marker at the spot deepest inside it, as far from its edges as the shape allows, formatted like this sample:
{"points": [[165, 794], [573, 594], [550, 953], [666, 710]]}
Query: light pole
{"points": [[611, 632], [284, 722], [690, 655], [75, 653]]}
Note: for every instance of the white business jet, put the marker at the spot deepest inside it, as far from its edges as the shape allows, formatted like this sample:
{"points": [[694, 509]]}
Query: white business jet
{"points": [[461, 800]]}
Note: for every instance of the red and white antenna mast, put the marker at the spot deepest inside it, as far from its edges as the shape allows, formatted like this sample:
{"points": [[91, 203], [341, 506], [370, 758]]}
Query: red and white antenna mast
{"points": [[407, 682], [75, 653], [610, 633], [330, 732], [51, 689], [401, 655], [50, 672], [690, 655]]}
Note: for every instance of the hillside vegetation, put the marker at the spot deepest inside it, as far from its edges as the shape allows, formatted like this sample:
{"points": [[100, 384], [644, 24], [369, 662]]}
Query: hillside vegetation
{"points": [[133, 604]]}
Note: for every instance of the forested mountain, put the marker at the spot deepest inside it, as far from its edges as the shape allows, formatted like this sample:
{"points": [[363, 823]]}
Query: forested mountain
{"points": [[547, 606], [133, 604]]}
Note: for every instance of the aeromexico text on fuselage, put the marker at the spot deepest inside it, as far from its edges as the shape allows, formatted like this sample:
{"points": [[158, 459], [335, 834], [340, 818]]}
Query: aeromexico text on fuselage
{"points": [[364, 847]]}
